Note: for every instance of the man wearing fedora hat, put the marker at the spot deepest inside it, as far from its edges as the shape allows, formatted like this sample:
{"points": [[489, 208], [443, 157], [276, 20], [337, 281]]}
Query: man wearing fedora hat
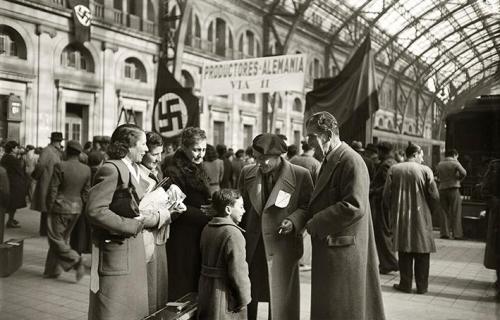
{"points": [[276, 194], [68, 190], [49, 156]]}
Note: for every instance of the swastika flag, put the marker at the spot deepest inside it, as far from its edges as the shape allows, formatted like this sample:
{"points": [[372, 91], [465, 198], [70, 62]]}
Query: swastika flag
{"points": [[175, 107], [82, 18]]}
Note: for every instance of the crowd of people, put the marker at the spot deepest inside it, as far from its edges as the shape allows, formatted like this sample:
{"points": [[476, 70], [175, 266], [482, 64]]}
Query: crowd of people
{"points": [[239, 240]]}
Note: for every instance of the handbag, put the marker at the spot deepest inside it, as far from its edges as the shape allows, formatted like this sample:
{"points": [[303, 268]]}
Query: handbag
{"points": [[38, 171], [125, 201]]}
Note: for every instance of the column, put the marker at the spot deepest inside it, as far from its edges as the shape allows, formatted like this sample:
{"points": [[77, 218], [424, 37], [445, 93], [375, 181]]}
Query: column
{"points": [[29, 126], [44, 119], [60, 111], [108, 111]]}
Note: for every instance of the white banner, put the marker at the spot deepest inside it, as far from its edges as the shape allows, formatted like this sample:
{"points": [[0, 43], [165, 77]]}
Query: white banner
{"points": [[267, 74]]}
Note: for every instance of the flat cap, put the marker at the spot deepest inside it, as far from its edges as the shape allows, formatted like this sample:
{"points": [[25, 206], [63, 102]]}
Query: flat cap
{"points": [[357, 145], [384, 146], [75, 145], [269, 144]]}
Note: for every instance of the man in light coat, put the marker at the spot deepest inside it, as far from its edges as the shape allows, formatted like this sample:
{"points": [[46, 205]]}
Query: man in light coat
{"points": [[276, 194], [412, 196], [50, 155], [449, 174], [344, 282]]}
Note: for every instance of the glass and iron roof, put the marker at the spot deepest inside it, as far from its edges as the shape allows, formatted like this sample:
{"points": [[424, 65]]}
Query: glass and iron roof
{"points": [[449, 46]]}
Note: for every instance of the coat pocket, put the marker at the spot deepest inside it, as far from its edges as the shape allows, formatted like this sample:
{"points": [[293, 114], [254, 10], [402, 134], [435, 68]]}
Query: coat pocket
{"points": [[341, 241], [114, 257]]}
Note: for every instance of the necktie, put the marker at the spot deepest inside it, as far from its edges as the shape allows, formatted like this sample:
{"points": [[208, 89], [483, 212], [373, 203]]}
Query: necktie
{"points": [[153, 176], [323, 165]]}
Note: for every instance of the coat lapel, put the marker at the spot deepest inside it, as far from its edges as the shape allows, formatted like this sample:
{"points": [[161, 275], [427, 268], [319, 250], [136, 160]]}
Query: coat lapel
{"points": [[331, 163], [286, 182], [254, 182]]}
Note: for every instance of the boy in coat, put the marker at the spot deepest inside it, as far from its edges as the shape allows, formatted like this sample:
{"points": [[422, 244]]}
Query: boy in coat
{"points": [[224, 287]]}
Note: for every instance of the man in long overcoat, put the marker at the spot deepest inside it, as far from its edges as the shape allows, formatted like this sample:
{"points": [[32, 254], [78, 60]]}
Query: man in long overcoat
{"points": [[412, 196], [276, 194], [345, 281], [50, 155], [382, 227]]}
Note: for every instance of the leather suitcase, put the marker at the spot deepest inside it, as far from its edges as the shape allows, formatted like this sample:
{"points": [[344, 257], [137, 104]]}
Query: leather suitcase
{"points": [[11, 256]]}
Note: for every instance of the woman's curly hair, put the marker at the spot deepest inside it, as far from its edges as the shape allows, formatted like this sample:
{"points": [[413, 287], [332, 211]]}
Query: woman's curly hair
{"points": [[124, 137], [191, 135]]}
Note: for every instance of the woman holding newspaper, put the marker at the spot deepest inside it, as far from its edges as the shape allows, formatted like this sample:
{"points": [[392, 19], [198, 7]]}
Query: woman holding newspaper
{"points": [[119, 284]]}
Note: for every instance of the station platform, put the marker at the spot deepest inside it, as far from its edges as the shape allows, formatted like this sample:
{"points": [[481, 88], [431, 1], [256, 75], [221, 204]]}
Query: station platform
{"points": [[459, 285]]}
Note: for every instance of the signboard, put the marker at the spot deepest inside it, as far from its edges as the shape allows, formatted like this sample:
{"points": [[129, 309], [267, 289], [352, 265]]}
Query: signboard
{"points": [[267, 74], [14, 104]]}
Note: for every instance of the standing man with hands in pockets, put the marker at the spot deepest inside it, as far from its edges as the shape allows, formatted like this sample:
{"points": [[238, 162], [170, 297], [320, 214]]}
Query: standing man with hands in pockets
{"points": [[276, 194], [344, 280]]}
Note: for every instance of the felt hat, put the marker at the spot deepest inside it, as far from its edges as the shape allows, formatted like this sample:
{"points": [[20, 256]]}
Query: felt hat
{"points": [[56, 136], [75, 145]]}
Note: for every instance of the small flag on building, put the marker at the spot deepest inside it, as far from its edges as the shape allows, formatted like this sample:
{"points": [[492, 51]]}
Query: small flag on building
{"points": [[175, 107], [351, 96], [82, 18]]}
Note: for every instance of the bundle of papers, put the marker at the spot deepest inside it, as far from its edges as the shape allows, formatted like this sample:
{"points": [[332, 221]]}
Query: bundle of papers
{"points": [[159, 199]]}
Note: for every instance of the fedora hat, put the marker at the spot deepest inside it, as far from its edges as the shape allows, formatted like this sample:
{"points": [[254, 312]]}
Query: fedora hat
{"points": [[56, 136], [75, 145]]}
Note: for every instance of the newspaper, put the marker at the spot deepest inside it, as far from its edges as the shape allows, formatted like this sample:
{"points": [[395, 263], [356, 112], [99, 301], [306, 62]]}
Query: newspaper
{"points": [[159, 199]]}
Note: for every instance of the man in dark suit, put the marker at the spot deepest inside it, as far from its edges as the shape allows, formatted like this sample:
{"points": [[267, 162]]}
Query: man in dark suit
{"points": [[344, 281], [276, 194], [68, 191]]}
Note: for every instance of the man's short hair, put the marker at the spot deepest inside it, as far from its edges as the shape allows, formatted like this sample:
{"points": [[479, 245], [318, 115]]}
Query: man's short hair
{"points": [[306, 146], [412, 149], [323, 122], [191, 135], [451, 153], [223, 198], [240, 153], [11, 145], [153, 140]]}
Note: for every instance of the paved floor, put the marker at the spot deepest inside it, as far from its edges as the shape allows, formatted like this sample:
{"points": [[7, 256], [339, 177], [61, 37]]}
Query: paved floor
{"points": [[460, 287]]}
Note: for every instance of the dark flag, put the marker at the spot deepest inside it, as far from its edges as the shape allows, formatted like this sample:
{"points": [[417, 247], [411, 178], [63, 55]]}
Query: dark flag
{"points": [[351, 96], [82, 18], [175, 107]]}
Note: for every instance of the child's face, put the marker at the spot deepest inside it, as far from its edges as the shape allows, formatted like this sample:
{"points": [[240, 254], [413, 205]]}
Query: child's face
{"points": [[236, 212]]}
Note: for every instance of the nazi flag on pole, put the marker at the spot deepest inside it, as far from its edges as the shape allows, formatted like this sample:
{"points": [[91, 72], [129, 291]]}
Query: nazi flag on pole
{"points": [[175, 107], [82, 18]]}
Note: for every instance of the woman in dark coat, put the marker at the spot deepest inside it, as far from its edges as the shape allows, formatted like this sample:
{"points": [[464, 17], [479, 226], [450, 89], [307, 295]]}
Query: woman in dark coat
{"points": [[382, 227], [183, 246], [17, 181], [118, 280]]}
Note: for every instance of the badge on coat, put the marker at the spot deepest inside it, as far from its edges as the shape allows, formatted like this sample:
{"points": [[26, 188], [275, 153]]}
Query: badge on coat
{"points": [[282, 199]]}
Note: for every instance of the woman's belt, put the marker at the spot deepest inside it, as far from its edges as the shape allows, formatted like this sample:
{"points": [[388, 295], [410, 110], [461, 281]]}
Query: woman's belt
{"points": [[213, 272]]}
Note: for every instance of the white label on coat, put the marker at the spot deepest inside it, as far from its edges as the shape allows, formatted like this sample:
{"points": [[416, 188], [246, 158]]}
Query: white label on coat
{"points": [[282, 199]]}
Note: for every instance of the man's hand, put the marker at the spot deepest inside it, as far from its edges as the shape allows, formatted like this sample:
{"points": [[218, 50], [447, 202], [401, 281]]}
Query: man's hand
{"points": [[286, 227]]}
